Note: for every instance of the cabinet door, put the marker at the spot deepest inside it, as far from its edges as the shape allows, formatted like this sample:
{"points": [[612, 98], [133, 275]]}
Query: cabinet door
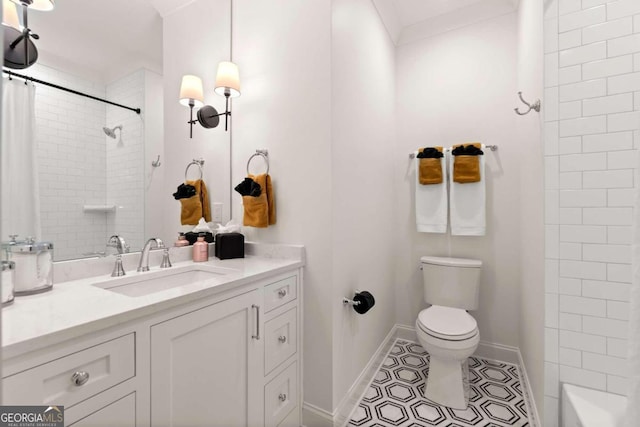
{"points": [[121, 413], [205, 366]]}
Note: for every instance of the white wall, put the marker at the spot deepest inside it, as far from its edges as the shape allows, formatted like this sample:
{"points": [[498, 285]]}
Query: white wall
{"points": [[592, 79], [195, 39], [459, 87], [283, 50], [529, 136], [362, 148]]}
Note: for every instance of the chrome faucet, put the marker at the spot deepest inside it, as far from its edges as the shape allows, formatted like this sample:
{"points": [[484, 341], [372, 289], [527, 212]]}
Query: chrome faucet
{"points": [[144, 256], [118, 242]]}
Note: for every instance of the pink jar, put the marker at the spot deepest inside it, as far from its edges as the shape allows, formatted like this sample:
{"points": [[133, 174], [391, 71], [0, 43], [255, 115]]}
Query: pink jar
{"points": [[182, 240], [200, 250]]}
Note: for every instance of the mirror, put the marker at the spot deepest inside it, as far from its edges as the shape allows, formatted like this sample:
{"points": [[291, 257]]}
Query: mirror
{"points": [[93, 174]]}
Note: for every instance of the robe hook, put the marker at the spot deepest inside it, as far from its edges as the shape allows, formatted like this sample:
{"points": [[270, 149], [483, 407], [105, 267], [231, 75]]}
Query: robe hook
{"points": [[156, 163], [535, 106]]}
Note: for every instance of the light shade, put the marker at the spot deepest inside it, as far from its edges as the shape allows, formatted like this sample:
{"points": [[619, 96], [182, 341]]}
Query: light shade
{"points": [[10, 15], [228, 78], [44, 5], [191, 89]]}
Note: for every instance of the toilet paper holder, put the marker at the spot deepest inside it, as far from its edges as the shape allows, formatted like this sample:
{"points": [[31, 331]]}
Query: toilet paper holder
{"points": [[362, 302], [347, 301]]}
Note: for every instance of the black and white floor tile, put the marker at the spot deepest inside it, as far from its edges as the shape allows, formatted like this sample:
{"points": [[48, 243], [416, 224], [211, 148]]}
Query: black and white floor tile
{"points": [[395, 396]]}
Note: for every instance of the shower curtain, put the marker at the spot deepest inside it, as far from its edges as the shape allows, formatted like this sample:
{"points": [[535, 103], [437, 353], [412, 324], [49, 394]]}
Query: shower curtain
{"points": [[632, 418], [20, 190]]}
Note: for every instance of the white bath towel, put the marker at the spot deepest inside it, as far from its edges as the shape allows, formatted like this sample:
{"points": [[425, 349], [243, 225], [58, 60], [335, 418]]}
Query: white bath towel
{"points": [[431, 203], [467, 204]]}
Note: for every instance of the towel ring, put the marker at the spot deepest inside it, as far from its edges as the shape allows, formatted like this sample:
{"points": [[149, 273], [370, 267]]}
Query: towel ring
{"points": [[198, 162], [264, 154]]}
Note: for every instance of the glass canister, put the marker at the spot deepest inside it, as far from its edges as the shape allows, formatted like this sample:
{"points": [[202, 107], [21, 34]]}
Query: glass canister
{"points": [[33, 266], [8, 277], [6, 247]]}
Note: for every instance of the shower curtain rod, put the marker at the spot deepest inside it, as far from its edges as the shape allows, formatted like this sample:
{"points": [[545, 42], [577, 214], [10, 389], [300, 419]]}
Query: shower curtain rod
{"points": [[33, 79]]}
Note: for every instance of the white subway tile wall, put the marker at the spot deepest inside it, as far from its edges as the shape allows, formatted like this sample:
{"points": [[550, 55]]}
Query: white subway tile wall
{"points": [[125, 155], [79, 165], [592, 133], [71, 162]]}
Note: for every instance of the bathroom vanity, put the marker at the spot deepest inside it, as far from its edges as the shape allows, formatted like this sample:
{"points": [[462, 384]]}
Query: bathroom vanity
{"points": [[215, 343]]}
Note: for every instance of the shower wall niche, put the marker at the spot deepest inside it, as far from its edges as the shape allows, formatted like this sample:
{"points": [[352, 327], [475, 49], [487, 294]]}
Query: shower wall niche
{"points": [[91, 186]]}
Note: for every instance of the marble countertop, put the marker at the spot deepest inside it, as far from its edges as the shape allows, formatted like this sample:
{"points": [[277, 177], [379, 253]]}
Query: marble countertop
{"points": [[76, 307]]}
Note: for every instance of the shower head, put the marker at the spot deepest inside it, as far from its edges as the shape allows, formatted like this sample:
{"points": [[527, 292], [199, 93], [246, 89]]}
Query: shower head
{"points": [[111, 133]]}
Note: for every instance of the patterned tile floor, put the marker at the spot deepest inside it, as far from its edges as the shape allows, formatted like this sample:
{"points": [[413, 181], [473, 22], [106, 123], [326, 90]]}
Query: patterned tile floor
{"points": [[394, 397]]}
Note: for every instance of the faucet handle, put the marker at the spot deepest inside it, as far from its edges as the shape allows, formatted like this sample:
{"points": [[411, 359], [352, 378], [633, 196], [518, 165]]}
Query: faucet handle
{"points": [[166, 262], [118, 270]]}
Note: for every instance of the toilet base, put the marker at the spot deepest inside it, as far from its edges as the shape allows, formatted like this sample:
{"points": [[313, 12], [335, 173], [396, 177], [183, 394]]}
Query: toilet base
{"points": [[447, 384]]}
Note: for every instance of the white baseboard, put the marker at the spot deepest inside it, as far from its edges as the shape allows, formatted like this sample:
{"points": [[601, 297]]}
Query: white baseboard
{"points": [[317, 417], [405, 332], [532, 409], [350, 400], [312, 416], [494, 351]]}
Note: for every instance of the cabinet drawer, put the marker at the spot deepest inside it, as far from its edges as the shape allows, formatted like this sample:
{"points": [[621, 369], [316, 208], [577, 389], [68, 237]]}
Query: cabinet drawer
{"points": [[106, 364], [280, 293], [121, 413], [280, 396], [281, 339], [292, 420]]}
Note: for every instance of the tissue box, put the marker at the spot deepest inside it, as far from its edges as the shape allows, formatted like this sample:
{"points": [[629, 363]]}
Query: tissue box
{"points": [[229, 245]]}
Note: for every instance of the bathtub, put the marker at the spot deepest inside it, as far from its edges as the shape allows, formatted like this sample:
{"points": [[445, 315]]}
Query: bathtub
{"points": [[583, 407]]}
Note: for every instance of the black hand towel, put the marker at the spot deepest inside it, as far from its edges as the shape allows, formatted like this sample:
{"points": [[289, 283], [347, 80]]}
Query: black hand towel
{"points": [[184, 191], [430, 153], [467, 150], [248, 187]]}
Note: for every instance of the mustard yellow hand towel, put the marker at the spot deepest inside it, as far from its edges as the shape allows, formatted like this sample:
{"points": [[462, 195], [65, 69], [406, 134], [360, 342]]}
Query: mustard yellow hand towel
{"points": [[196, 207], [260, 211], [431, 169], [466, 168]]}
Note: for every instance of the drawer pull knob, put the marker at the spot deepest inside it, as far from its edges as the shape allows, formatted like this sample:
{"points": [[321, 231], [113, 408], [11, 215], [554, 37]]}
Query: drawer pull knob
{"points": [[282, 339], [282, 397], [80, 378], [282, 293]]}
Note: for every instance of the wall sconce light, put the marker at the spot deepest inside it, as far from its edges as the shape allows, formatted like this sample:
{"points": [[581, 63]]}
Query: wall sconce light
{"points": [[227, 84], [19, 50], [191, 95]]}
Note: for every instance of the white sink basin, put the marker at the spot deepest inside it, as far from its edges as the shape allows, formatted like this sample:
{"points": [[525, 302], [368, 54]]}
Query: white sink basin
{"points": [[140, 284]]}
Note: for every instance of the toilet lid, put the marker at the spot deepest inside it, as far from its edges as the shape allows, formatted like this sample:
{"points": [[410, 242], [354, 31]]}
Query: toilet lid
{"points": [[447, 323]]}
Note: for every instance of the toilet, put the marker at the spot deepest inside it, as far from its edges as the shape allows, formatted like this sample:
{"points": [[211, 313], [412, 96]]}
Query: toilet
{"points": [[445, 330]]}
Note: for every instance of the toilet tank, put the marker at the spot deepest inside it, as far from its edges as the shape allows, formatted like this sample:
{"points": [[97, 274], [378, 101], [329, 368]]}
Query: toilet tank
{"points": [[451, 282]]}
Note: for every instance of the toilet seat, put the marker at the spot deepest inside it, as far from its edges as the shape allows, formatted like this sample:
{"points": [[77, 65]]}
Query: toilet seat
{"points": [[447, 323]]}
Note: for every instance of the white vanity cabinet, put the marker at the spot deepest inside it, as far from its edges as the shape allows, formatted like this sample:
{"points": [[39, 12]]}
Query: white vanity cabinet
{"points": [[205, 366], [85, 382], [231, 358]]}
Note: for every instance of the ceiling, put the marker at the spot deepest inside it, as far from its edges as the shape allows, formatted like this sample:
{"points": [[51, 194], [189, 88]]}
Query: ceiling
{"points": [[102, 39], [407, 20], [413, 11]]}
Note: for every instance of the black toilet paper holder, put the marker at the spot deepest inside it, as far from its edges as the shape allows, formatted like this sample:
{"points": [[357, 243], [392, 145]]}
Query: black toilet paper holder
{"points": [[361, 303]]}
